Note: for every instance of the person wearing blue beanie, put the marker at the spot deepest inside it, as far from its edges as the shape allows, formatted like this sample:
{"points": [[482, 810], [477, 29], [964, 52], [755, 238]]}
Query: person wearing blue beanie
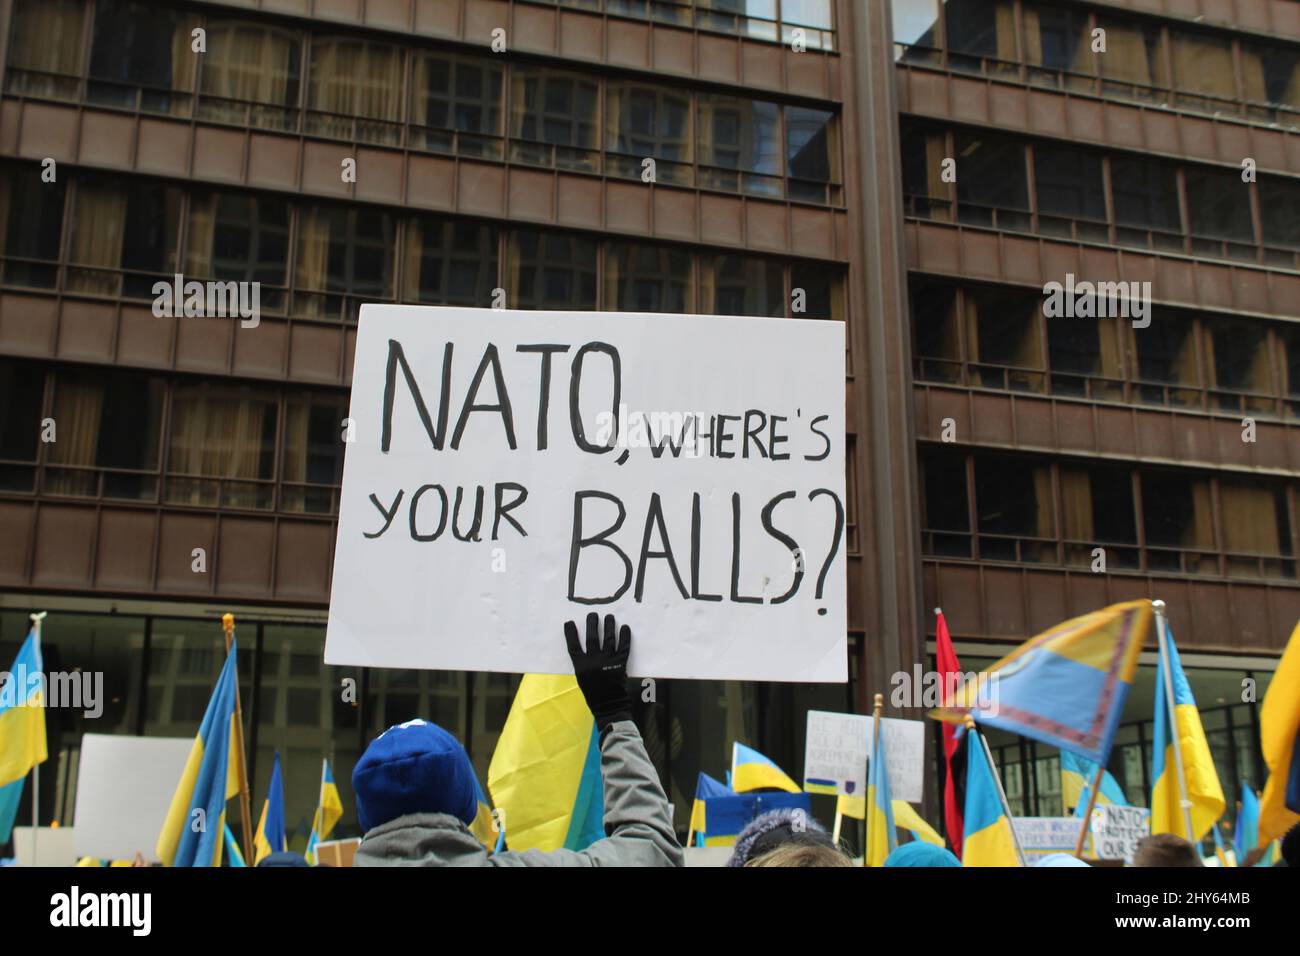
{"points": [[920, 853], [417, 792]]}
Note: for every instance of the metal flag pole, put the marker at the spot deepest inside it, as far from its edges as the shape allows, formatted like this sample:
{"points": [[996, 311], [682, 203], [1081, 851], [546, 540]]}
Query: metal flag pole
{"points": [[878, 706], [997, 779], [36, 620], [245, 811], [1162, 634]]}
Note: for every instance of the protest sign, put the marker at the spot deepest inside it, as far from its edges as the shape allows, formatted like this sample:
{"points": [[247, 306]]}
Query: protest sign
{"points": [[1116, 831], [838, 745], [124, 790], [1040, 836], [507, 471]]}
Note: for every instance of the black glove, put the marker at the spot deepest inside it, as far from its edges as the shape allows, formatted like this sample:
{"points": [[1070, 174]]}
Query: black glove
{"points": [[602, 670]]}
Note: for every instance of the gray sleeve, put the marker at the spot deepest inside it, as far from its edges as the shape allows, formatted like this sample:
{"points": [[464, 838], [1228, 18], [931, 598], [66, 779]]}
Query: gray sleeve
{"points": [[637, 816]]}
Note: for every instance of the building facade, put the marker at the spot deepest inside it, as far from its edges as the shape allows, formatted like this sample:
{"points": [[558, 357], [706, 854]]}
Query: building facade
{"points": [[799, 146]]}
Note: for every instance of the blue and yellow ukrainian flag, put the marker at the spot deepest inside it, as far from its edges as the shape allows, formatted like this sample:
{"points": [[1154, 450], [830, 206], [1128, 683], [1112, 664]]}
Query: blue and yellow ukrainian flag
{"points": [[988, 840], [705, 788], [1065, 687], [1246, 836], [1199, 773], [192, 832], [22, 715], [905, 816], [1279, 737], [11, 794], [882, 839], [750, 770], [234, 856], [545, 771], [270, 828], [1076, 785], [329, 807]]}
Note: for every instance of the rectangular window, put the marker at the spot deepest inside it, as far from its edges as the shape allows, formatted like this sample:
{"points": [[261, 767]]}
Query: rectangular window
{"points": [[821, 289], [457, 105], [1241, 364], [1097, 511], [740, 139], [1218, 210], [355, 90], [450, 261], [1084, 358], [240, 237], [748, 18], [741, 285], [981, 35], [345, 256], [1272, 78], [251, 75], [140, 57], [643, 121], [1256, 529], [1013, 500], [551, 270], [812, 154], [221, 451], [31, 225], [45, 41], [555, 115], [640, 277], [925, 194], [936, 338], [1166, 356], [1178, 518], [313, 452], [109, 429], [946, 512], [124, 234], [22, 392], [1204, 74], [916, 30], [1146, 203], [1004, 339], [1279, 209], [1132, 65], [1058, 47], [1071, 192], [993, 188]]}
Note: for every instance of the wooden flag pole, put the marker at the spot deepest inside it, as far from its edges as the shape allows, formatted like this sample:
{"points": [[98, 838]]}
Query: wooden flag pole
{"points": [[879, 705], [1087, 816], [245, 810], [1162, 634], [997, 780], [839, 821]]}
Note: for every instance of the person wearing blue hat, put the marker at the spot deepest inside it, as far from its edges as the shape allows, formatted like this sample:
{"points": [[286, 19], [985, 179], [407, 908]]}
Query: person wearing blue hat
{"points": [[920, 853], [417, 794]]}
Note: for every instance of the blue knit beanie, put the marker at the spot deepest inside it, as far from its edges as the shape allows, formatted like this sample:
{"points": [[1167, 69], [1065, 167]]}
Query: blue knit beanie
{"points": [[415, 767], [920, 853]]}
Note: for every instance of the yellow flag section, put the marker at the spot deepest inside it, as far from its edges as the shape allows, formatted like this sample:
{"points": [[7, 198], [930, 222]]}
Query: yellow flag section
{"points": [[1199, 775], [192, 834], [545, 772], [1279, 728], [22, 712], [905, 816], [987, 839]]}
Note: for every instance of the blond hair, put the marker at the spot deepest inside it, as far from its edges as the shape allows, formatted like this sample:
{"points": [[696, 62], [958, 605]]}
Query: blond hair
{"points": [[792, 853]]}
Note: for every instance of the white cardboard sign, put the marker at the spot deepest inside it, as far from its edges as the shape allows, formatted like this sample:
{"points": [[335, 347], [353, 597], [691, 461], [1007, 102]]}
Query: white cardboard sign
{"points": [[508, 471], [1116, 831], [124, 790], [838, 746]]}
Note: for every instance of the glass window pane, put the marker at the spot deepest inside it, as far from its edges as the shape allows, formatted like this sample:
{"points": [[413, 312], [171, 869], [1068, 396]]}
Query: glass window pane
{"points": [[551, 270], [312, 469], [355, 78], [1272, 74], [1203, 66], [457, 93], [1176, 510], [1218, 205], [548, 106], [1069, 183], [1145, 193], [1057, 38], [1254, 518], [991, 175], [124, 236], [345, 250], [140, 53], [741, 285], [983, 29], [450, 261], [648, 121], [1132, 53], [647, 278], [31, 226], [105, 420], [739, 134], [223, 444], [812, 144], [22, 390], [238, 237], [45, 43], [247, 65], [916, 22], [1279, 207], [822, 288]]}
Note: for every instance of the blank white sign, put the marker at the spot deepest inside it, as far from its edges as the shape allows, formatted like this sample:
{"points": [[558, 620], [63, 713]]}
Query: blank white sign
{"points": [[124, 789], [577, 411]]}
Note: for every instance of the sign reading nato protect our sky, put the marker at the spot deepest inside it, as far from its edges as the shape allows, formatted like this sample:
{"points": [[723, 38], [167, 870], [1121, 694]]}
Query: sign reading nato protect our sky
{"points": [[508, 471]]}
